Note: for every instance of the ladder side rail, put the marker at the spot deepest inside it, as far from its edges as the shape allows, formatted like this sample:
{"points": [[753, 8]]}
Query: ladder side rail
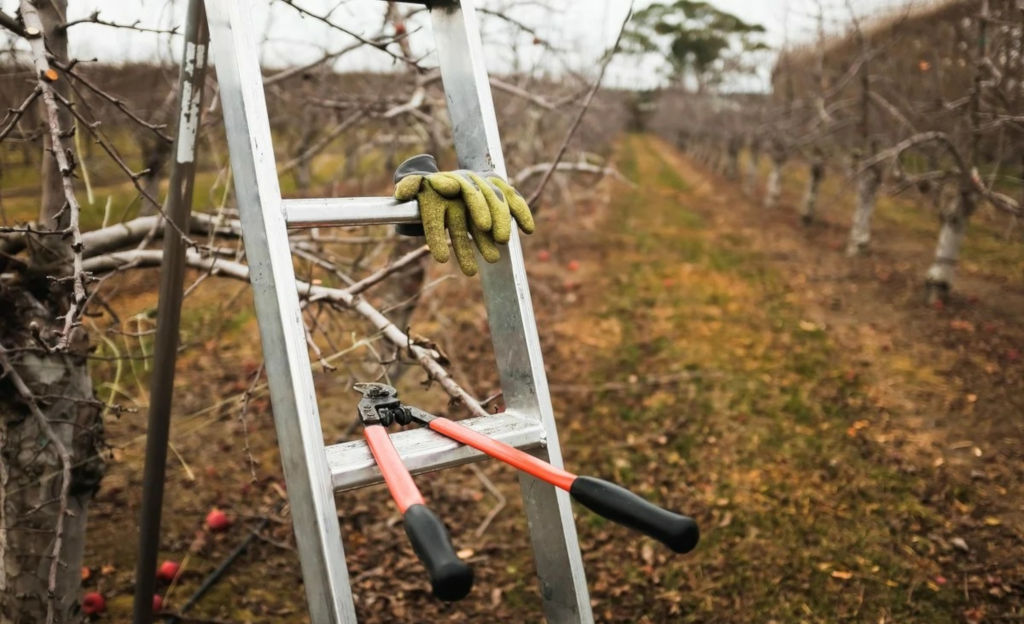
{"points": [[311, 500], [510, 314]]}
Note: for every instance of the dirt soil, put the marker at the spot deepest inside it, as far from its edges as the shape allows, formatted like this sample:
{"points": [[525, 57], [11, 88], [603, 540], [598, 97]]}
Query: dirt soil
{"points": [[851, 453]]}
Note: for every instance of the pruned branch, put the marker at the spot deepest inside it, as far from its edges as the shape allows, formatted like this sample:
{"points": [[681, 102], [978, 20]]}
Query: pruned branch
{"points": [[66, 168], [347, 298]]}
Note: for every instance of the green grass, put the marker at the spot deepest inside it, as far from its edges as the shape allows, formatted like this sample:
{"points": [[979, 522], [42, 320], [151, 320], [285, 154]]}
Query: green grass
{"points": [[815, 500]]}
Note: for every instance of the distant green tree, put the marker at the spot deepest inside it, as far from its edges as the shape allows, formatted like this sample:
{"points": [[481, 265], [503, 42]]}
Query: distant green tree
{"points": [[700, 44]]}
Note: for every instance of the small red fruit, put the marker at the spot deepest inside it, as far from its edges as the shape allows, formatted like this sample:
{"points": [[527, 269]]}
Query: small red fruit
{"points": [[93, 603], [217, 520], [167, 571], [574, 265], [158, 603], [544, 255]]}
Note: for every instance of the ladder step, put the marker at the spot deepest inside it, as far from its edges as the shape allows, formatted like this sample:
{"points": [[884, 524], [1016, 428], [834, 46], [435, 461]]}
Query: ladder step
{"points": [[352, 466], [340, 211]]}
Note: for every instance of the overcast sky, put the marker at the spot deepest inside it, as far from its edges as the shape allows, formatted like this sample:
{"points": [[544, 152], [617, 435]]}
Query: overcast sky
{"points": [[583, 28]]}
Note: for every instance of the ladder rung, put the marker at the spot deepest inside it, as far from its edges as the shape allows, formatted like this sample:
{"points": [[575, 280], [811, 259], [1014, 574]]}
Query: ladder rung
{"points": [[352, 466], [328, 211]]}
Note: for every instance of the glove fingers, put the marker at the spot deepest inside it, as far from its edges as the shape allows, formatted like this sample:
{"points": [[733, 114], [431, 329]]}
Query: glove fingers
{"points": [[476, 204], [458, 232], [485, 243], [446, 184], [433, 209], [501, 219], [408, 187], [516, 205]]}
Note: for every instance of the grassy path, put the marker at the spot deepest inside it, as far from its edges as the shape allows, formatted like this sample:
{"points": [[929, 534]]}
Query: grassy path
{"points": [[737, 399]]}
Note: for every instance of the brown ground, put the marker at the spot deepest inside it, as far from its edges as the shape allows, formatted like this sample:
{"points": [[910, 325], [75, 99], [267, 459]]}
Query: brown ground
{"points": [[851, 453]]}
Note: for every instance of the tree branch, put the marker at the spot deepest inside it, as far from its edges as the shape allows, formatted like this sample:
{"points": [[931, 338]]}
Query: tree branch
{"points": [[66, 168], [348, 298]]}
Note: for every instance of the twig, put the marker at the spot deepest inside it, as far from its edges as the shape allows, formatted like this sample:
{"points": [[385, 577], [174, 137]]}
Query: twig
{"points": [[583, 111], [381, 45], [117, 102], [493, 513], [215, 576], [12, 25], [94, 18], [243, 418], [408, 259], [427, 358], [16, 113]]}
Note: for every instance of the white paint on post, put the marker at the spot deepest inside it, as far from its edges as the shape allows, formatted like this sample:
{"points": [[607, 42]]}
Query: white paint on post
{"points": [[188, 125]]}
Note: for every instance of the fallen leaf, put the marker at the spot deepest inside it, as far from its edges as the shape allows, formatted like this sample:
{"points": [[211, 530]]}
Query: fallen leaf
{"points": [[842, 575]]}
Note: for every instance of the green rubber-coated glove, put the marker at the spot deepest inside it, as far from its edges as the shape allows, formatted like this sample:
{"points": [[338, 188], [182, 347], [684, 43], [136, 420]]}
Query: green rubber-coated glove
{"points": [[464, 203]]}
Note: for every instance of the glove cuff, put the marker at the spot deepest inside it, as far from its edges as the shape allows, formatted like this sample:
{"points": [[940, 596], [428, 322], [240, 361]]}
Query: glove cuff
{"points": [[420, 164]]}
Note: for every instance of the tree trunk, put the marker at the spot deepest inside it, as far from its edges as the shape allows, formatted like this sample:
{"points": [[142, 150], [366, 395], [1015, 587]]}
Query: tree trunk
{"points": [[51, 428], [753, 164], [773, 191], [52, 216], [868, 184], [732, 163], [954, 215], [810, 202], [31, 476]]}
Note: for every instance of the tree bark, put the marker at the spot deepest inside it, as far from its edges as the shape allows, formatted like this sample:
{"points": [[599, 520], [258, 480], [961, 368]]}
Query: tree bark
{"points": [[773, 191], [51, 428], [810, 202], [753, 164], [868, 183], [955, 215], [52, 215], [732, 163], [31, 474]]}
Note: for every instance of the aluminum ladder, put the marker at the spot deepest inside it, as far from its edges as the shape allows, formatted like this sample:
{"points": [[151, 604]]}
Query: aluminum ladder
{"points": [[315, 472]]}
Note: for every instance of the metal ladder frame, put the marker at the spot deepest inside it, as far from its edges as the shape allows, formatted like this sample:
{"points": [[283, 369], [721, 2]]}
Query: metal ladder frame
{"points": [[314, 472]]}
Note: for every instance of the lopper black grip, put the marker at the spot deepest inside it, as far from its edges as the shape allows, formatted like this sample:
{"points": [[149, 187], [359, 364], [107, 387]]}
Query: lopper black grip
{"points": [[450, 577], [618, 504]]}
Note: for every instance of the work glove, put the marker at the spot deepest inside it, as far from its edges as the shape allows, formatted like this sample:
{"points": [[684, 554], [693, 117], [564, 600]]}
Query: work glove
{"points": [[465, 203]]}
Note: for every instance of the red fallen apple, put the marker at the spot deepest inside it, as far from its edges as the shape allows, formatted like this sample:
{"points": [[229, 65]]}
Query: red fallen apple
{"points": [[574, 265], [544, 255], [93, 603], [158, 603], [217, 520], [168, 570]]}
